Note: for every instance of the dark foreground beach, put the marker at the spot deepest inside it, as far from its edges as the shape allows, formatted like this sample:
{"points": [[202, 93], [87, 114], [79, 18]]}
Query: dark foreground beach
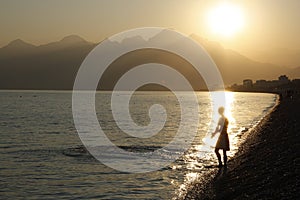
{"points": [[266, 165]]}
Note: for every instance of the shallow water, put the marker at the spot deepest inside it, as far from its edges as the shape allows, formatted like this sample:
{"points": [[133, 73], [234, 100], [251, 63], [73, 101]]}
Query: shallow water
{"points": [[41, 155]]}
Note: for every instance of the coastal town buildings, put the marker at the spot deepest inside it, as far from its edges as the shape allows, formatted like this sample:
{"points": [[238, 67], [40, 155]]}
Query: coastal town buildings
{"points": [[283, 86]]}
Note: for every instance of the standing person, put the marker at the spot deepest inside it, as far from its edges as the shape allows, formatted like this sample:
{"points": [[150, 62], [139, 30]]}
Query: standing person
{"points": [[223, 140]]}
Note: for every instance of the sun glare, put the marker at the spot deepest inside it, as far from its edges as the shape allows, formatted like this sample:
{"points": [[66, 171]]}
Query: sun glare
{"points": [[225, 19], [217, 101]]}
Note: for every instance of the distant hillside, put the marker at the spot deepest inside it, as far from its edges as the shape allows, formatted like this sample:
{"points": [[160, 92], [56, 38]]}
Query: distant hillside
{"points": [[51, 66], [284, 57], [235, 67], [54, 65], [294, 72]]}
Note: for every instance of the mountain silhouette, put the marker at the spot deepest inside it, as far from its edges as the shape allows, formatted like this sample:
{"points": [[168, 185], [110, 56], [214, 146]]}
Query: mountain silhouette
{"points": [[280, 56], [55, 65], [16, 47], [71, 41], [235, 67], [51, 66]]}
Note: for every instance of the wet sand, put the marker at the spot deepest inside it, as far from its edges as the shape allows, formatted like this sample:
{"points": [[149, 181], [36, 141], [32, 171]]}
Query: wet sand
{"points": [[266, 165]]}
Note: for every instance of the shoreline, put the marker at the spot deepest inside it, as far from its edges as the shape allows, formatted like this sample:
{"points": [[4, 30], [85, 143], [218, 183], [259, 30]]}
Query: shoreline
{"points": [[265, 166]]}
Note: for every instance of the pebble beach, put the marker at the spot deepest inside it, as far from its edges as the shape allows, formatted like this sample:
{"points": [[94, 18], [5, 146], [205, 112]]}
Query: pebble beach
{"points": [[266, 165]]}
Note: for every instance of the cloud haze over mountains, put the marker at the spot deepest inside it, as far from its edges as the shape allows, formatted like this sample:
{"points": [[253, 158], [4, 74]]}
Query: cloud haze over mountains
{"points": [[54, 65]]}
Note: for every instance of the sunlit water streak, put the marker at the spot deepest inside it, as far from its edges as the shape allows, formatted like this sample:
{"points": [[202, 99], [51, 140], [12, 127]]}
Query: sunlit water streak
{"points": [[41, 155]]}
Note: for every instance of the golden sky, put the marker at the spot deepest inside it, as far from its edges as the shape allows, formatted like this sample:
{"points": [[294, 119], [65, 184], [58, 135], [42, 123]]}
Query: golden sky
{"points": [[268, 24]]}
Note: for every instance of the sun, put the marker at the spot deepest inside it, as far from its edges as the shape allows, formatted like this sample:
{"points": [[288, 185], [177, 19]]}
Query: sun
{"points": [[225, 19]]}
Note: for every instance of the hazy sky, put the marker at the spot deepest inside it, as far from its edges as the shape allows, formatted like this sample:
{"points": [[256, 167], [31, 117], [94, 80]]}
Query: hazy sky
{"points": [[268, 23]]}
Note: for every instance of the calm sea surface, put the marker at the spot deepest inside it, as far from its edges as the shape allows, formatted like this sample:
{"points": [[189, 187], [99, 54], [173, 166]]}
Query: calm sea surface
{"points": [[42, 157]]}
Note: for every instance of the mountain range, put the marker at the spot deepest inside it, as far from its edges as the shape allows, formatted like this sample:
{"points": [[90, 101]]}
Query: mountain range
{"points": [[54, 66], [280, 56]]}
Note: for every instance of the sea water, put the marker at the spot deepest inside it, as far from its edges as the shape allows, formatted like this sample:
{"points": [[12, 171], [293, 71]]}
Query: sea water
{"points": [[42, 156]]}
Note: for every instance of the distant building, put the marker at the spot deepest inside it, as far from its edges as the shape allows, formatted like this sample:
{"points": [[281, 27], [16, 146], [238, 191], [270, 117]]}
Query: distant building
{"points": [[274, 83], [296, 81], [283, 85], [283, 79], [261, 83], [247, 83]]}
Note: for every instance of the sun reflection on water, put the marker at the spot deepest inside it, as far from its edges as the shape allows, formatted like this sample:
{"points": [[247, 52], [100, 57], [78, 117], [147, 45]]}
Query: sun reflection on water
{"points": [[201, 156], [209, 142]]}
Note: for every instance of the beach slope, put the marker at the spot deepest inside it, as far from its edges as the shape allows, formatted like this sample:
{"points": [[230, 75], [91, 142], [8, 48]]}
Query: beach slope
{"points": [[266, 165]]}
